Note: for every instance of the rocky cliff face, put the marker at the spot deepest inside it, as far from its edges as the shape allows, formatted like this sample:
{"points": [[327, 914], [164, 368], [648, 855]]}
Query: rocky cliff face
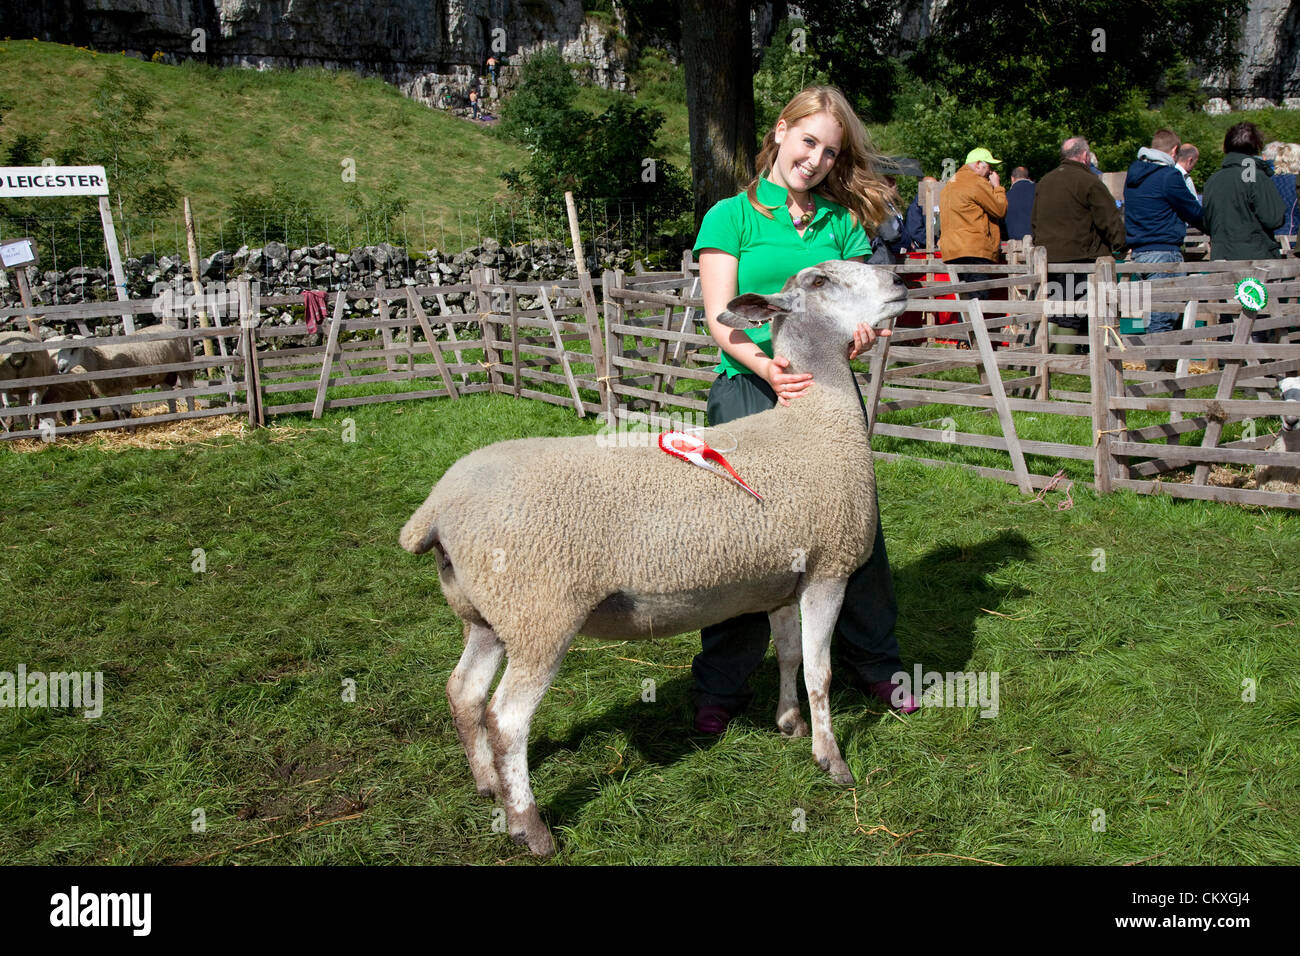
{"points": [[420, 45], [1269, 73], [424, 46]]}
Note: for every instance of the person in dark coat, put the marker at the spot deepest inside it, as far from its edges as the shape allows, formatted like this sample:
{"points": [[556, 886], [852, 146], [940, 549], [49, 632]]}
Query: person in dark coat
{"points": [[914, 221], [1075, 219], [1242, 207], [1020, 205], [1158, 208]]}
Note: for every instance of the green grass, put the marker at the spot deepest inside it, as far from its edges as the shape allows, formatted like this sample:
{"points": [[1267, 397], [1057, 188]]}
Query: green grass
{"points": [[1121, 689], [254, 129]]}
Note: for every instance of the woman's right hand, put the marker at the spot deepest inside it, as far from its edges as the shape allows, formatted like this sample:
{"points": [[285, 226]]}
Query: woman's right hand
{"points": [[786, 385]]}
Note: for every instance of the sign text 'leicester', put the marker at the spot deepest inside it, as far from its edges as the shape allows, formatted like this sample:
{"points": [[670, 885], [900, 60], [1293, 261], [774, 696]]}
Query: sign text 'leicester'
{"points": [[16, 181]]}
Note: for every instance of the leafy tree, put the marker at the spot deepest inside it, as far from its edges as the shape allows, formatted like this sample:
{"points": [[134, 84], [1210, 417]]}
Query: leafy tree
{"points": [[121, 135], [1074, 59], [789, 64], [719, 98], [858, 45], [608, 156]]}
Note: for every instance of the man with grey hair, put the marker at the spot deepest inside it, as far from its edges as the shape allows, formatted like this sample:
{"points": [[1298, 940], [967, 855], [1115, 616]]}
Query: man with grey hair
{"points": [[1076, 220], [1186, 159]]}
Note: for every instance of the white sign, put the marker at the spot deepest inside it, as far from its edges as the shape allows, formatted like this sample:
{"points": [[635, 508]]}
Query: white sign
{"points": [[20, 252], [16, 181]]}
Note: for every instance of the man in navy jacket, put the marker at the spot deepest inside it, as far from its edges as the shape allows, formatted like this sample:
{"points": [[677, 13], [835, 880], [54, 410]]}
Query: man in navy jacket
{"points": [[1020, 205], [1158, 208]]}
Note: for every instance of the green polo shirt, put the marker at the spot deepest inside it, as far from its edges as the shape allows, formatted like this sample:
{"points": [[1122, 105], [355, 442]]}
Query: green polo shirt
{"points": [[770, 251]]}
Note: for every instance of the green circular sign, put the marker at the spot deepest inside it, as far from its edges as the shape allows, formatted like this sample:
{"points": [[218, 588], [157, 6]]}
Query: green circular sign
{"points": [[1252, 294]]}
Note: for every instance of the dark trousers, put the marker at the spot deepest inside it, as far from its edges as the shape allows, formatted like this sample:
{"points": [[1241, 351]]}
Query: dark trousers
{"points": [[1069, 287], [864, 633], [965, 276]]}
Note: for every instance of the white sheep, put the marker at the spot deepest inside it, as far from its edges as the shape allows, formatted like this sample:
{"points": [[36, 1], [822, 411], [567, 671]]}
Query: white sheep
{"points": [[1283, 477], [541, 539], [22, 365], [137, 354]]}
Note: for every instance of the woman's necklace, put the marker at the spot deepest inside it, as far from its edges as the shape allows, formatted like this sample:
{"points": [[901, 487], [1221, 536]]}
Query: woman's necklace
{"points": [[805, 214]]}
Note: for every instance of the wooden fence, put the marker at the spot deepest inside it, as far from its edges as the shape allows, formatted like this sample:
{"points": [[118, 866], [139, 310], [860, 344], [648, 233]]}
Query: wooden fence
{"points": [[645, 352]]}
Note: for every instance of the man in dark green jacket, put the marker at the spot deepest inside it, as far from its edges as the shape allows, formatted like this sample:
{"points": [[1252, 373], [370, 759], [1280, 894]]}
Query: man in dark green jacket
{"points": [[1241, 206], [1075, 218]]}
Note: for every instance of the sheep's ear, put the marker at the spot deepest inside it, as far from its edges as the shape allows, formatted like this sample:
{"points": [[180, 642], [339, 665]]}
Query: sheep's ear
{"points": [[751, 309]]}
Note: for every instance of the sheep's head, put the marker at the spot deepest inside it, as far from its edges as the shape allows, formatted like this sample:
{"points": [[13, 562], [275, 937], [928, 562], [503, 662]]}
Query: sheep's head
{"points": [[68, 358], [16, 364], [826, 302], [1291, 393]]}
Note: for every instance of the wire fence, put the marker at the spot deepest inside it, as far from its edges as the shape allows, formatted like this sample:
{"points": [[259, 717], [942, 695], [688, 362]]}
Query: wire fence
{"points": [[68, 242]]}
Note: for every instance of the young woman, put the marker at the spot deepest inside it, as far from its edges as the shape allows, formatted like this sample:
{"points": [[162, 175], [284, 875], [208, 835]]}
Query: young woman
{"points": [[816, 195]]}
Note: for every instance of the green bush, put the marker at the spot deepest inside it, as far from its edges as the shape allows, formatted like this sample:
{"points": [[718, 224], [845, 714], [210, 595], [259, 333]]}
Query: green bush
{"points": [[608, 156], [788, 66]]}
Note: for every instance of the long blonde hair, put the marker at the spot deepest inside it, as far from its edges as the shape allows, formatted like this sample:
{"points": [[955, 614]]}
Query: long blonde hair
{"points": [[855, 181]]}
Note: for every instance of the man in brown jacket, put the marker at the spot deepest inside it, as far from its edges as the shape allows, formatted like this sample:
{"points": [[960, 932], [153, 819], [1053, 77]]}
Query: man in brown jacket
{"points": [[1076, 220], [970, 207]]}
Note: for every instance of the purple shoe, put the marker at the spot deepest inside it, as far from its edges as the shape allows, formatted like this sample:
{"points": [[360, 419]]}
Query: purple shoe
{"points": [[711, 719], [894, 695]]}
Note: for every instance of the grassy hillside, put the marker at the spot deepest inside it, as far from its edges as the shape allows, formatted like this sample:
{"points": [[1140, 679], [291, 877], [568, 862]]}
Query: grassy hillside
{"points": [[289, 133], [255, 129]]}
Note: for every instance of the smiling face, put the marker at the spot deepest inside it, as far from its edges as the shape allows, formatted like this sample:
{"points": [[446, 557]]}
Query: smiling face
{"points": [[807, 151]]}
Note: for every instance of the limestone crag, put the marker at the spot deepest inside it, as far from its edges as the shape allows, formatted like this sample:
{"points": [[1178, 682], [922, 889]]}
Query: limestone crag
{"points": [[431, 47], [415, 44]]}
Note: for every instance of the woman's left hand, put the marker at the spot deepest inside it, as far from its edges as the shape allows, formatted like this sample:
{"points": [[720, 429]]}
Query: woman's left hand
{"points": [[864, 336]]}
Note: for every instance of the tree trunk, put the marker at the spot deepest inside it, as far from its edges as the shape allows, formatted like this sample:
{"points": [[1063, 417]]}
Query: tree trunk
{"points": [[719, 98]]}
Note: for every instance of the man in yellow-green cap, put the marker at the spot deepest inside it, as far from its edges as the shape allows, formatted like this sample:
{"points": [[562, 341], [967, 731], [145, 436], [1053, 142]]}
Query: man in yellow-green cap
{"points": [[970, 208]]}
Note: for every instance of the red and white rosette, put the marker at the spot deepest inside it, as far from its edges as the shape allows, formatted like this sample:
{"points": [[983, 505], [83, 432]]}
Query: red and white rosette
{"points": [[690, 448]]}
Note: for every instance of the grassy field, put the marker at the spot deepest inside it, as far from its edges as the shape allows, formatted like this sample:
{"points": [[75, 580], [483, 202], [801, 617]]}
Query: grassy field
{"points": [[1121, 680], [295, 128], [253, 129]]}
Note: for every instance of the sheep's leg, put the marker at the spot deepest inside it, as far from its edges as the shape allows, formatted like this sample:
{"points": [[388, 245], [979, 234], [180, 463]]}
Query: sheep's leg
{"points": [[467, 693], [820, 604], [785, 635], [509, 716]]}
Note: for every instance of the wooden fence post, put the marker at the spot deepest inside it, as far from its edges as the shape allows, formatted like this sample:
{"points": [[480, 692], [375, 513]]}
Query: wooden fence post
{"points": [[1107, 375], [483, 297], [385, 333], [513, 301], [327, 361], [564, 356], [1038, 260], [613, 314], [248, 345], [1227, 382], [980, 333]]}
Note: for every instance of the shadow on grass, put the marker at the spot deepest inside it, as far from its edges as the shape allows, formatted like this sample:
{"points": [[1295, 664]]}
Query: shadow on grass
{"points": [[952, 578], [942, 594]]}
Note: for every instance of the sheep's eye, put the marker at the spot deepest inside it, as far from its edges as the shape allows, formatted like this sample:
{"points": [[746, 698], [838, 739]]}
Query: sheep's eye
{"points": [[819, 282]]}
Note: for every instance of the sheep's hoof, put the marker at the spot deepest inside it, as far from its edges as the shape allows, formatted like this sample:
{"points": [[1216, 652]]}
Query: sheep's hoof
{"points": [[838, 770], [487, 790], [529, 829], [539, 840], [793, 725]]}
